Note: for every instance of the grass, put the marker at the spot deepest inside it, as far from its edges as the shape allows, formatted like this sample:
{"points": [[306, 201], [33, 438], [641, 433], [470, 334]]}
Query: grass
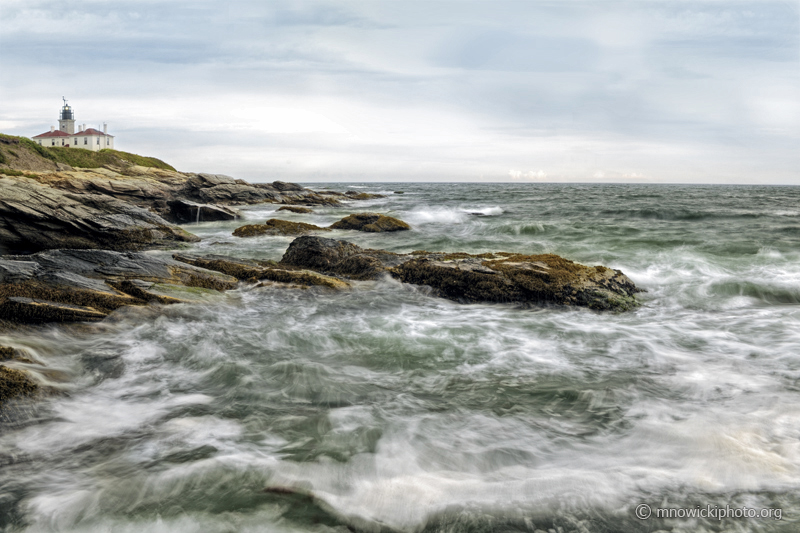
{"points": [[11, 172], [88, 159], [78, 157]]}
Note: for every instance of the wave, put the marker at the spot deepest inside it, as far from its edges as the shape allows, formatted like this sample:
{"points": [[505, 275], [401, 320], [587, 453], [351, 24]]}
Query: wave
{"points": [[430, 215], [769, 294], [492, 211], [530, 228], [677, 214]]}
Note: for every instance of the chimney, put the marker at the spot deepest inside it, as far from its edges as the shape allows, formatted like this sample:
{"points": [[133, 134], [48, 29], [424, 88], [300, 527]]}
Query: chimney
{"points": [[52, 129], [105, 128]]}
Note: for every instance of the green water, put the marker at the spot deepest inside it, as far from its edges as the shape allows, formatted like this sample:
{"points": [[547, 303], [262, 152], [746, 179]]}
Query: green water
{"points": [[384, 408]]}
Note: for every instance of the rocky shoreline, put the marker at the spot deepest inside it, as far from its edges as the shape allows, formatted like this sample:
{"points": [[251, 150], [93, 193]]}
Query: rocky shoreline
{"points": [[72, 243]]}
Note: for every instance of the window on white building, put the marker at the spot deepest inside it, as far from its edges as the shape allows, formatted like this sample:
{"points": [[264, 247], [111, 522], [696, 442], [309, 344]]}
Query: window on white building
{"points": [[86, 140], [54, 142]]}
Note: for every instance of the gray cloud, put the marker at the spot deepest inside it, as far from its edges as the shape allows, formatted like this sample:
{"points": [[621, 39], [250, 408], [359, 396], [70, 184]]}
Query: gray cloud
{"points": [[665, 91]]}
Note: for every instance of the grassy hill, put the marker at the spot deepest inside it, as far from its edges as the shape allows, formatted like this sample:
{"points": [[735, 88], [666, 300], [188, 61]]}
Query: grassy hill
{"points": [[20, 153]]}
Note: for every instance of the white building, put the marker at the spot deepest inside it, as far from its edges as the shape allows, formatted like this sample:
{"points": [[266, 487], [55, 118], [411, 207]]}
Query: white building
{"points": [[65, 135]]}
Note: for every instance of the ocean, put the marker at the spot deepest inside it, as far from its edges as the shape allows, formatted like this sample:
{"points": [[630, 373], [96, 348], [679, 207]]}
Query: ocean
{"points": [[385, 408]]}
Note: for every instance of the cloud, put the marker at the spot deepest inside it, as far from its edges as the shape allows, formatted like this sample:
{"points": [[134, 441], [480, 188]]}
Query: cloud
{"points": [[690, 90], [530, 175]]}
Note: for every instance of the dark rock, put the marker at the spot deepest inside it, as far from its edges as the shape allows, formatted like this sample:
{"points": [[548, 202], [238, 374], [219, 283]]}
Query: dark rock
{"points": [[79, 285], [295, 209], [15, 383], [308, 198], [248, 270], [16, 271], [184, 211], [6, 353], [227, 193], [276, 226], [267, 186], [355, 195], [545, 278], [30, 310], [36, 217], [284, 186], [501, 277], [371, 222], [336, 257], [399, 192]]}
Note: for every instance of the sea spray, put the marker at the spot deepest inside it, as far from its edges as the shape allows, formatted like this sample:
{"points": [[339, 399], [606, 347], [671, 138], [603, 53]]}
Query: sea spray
{"points": [[384, 406]]}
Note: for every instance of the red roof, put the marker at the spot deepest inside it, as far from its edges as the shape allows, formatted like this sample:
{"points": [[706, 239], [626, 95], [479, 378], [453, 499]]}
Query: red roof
{"points": [[56, 133], [91, 131]]}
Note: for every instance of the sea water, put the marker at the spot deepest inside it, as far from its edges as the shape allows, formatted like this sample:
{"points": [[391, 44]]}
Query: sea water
{"points": [[385, 408]]}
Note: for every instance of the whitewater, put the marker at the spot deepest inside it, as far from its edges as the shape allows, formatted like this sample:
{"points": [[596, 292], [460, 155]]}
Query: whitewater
{"points": [[385, 408]]}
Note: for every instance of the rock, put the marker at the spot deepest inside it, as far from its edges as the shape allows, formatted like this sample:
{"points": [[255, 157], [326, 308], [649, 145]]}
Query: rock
{"points": [[545, 278], [371, 222], [15, 383], [6, 353], [399, 192], [500, 277], [247, 270], [284, 186], [295, 209], [31, 311], [355, 195], [36, 217], [226, 193], [276, 226], [308, 198], [184, 211], [87, 285], [336, 257], [212, 180]]}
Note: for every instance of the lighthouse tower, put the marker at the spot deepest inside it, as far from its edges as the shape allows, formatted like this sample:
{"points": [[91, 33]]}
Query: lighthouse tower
{"points": [[66, 120]]}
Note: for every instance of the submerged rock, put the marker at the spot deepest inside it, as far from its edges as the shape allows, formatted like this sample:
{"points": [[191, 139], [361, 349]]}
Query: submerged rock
{"points": [[275, 226], [248, 270], [13, 383], [295, 209], [371, 222], [36, 217], [491, 277], [355, 195]]}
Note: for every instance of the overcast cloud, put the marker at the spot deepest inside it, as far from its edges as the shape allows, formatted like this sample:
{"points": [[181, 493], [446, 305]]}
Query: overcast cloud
{"points": [[677, 91]]}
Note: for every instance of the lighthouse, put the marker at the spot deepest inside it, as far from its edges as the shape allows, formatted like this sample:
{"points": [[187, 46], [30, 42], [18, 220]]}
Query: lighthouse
{"points": [[66, 119], [66, 136]]}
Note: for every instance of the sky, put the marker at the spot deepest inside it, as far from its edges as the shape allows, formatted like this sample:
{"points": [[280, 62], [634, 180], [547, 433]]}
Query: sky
{"points": [[677, 91]]}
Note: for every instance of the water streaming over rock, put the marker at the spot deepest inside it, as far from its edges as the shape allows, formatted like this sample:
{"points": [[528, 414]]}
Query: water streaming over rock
{"points": [[384, 409]]}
